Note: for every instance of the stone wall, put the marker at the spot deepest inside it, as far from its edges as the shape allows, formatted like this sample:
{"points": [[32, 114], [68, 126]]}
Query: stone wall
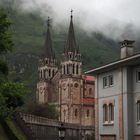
{"points": [[40, 128]]}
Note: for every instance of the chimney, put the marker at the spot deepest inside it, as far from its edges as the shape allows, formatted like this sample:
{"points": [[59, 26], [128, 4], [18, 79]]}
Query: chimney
{"points": [[127, 48]]}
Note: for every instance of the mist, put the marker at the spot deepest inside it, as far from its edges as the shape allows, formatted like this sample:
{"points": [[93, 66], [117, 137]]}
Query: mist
{"points": [[116, 19]]}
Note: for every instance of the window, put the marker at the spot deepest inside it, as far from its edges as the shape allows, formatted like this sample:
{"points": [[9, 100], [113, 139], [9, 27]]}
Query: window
{"points": [[90, 91], [111, 113], [73, 68], [88, 113], [77, 69], [105, 82], [76, 85], [76, 113], [49, 72], [67, 69], [108, 81], [53, 72], [64, 114], [64, 69], [138, 111], [105, 113], [138, 76], [41, 74], [108, 114]]}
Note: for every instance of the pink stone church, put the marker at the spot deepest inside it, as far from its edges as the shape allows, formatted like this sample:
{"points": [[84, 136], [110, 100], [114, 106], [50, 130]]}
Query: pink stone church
{"points": [[64, 84]]}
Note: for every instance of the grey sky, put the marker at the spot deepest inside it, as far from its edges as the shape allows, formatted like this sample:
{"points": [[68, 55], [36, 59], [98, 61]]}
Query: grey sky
{"points": [[114, 18]]}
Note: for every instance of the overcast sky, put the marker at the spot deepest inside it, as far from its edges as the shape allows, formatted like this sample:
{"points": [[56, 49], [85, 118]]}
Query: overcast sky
{"points": [[115, 18]]}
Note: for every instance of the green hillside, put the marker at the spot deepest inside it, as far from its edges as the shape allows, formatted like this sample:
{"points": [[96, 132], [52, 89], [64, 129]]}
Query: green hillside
{"points": [[28, 31]]}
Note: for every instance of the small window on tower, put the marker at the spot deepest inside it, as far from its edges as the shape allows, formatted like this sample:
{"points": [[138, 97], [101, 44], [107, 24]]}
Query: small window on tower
{"points": [[49, 72], [90, 91], [76, 113], [67, 69], [77, 69], [88, 113], [64, 69], [52, 72], [73, 68]]}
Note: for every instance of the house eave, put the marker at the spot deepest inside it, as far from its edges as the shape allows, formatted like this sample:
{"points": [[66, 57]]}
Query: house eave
{"points": [[129, 61]]}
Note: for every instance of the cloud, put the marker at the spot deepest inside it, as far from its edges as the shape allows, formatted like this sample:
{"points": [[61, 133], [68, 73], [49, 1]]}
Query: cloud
{"points": [[116, 19]]}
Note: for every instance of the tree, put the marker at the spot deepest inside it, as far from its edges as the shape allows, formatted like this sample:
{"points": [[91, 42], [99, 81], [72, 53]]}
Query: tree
{"points": [[5, 37], [11, 94]]}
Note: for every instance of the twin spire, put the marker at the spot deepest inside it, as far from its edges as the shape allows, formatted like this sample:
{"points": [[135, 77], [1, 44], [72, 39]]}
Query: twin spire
{"points": [[70, 45], [71, 41], [49, 53]]}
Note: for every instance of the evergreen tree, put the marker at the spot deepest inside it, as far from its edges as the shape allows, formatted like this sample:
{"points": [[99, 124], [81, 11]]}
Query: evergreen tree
{"points": [[11, 94]]}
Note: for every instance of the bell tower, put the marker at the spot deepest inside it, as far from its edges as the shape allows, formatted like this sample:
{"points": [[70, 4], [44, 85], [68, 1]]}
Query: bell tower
{"points": [[47, 69], [70, 83], [71, 63]]}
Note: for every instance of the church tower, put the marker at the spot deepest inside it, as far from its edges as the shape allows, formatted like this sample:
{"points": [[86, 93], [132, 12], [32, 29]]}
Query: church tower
{"points": [[71, 82], [47, 69]]}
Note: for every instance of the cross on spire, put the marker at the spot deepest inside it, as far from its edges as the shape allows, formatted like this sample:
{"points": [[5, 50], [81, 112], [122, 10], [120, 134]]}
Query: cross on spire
{"points": [[48, 53], [71, 13], [48, 22], [71, 41]]}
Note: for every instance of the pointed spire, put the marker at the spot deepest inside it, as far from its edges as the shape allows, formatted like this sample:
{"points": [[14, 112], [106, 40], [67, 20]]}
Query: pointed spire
{"points": [[48, 43], [71, 42]]}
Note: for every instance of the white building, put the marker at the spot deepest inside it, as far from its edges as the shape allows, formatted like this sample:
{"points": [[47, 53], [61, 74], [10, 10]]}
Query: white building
{"points": [[117, 97]]}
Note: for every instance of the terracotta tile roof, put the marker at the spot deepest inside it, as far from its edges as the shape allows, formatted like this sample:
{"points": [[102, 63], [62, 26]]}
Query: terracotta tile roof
{"points": [[89, 78], [88, 100]]}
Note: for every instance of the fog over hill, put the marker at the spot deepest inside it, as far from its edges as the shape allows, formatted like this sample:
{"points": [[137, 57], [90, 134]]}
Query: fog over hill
{"points": [[117, 19]]}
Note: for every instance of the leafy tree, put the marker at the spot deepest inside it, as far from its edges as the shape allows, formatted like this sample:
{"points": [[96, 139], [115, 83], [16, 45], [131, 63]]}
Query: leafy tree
{"points": [[5, 37], [11, 94]]}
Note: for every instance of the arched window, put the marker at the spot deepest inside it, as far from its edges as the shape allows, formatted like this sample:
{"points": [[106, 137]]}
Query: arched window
{"points": [[41, 74], [52, 72], [77, 69], [105, 113], [111, 112], [76, 113], [73, 68], [138, 111], [64, 115], [90, 91], [64, 69], [87, 113], [44, 73], [67, 69], [49, 72]]}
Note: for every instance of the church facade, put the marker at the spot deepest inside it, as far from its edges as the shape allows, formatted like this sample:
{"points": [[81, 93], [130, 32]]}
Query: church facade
{"points": [[64, 84]]}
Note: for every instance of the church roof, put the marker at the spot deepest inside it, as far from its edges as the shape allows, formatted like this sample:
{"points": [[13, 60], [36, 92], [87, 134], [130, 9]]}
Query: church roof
{"points": [[89, 78], [88, 101], [71, 41], [49, 53]]}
